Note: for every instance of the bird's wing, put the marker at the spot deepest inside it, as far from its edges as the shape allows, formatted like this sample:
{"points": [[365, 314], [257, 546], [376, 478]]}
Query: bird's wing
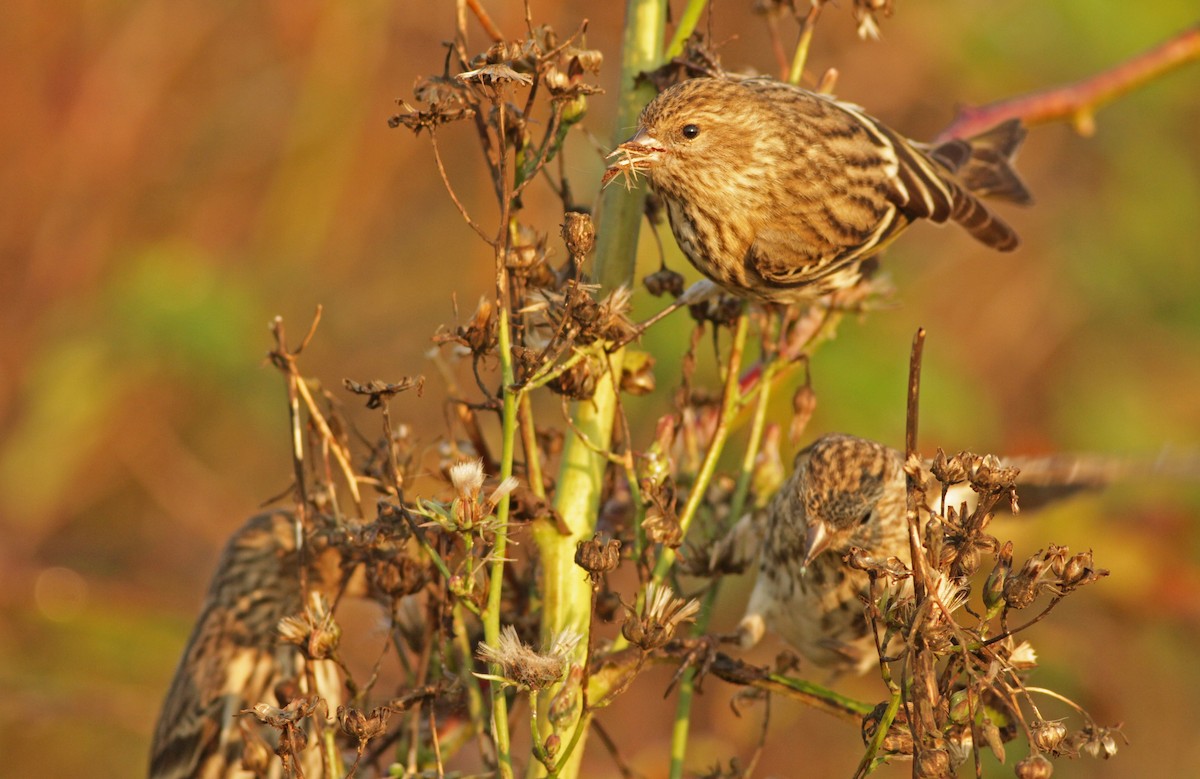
{"points": [[917, 185]]}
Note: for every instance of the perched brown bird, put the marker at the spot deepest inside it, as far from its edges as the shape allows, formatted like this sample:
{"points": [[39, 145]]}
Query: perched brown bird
{"points": [[235, 658], [848, 492], [843, 492], [778, 194]]}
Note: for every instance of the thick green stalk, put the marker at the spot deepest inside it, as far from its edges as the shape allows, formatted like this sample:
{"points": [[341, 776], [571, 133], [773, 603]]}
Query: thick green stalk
{"points": [[566, 591], [491, 618], [687, 687], [621, 211]]}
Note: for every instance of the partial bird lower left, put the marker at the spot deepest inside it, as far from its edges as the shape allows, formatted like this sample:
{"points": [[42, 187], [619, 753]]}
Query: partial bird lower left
{"points": [[236, 659]]}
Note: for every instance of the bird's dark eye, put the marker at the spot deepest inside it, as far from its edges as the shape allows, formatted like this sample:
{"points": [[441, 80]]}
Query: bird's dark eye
{"points": [[865, 518], [690, 131]]}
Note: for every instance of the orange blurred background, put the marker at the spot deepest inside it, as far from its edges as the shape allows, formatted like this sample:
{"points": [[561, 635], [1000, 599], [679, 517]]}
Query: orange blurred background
{"points": [[177, 174]]}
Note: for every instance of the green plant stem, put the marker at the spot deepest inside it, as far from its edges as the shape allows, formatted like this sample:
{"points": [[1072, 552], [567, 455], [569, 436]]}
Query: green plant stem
{"points": [[469, 682], [566, 591], [687, 25], [620, 211], [687, 686], [800, 57], [867, 764], [491, 617], [729, 404], [533, 460]]}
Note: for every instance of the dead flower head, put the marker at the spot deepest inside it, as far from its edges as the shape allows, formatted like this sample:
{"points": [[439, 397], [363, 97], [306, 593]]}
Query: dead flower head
{"points": [[662, 614], [363, 727], [313, 630], [521, 666]]}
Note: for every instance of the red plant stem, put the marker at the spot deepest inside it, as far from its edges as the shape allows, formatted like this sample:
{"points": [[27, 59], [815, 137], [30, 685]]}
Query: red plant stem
{"points": [[1078, 102]]}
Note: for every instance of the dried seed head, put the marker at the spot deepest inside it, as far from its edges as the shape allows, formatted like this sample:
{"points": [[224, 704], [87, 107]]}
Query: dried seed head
{"points": [[292, 741], [935, 542], [598, 557], [993, 590], [362, 727], [1034, 767], [950, 593], [663, 281], [804, 404], [1048, 736], [1021, 589], [637, 373], [1078, 571], [1023, 657], [313, 630], [721, 311], [523, 667], [966, 563], [1100, 742], [613, 316], [662, 614], [579, 234], [256, 755], [948, 470], [993, 738], [1056, 558], [988, 475], [564, 707], [577, 382], [933, 763], [502, 491], [467, 478], [866, 13], [296, 710]]}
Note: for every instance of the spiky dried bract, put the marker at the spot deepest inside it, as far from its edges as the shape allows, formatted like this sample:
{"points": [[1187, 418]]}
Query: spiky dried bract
{"points": [[779, 194]]}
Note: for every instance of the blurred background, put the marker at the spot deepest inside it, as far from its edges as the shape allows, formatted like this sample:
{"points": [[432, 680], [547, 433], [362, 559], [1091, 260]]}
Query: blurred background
{"points": [[177, 174]]}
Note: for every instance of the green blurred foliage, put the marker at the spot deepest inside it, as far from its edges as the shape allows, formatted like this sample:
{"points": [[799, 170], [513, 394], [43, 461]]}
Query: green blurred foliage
{"points": [[178, 174]]}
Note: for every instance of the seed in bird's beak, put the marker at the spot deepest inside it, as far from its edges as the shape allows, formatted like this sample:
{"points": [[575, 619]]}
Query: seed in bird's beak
{"points": [[638, 153]]}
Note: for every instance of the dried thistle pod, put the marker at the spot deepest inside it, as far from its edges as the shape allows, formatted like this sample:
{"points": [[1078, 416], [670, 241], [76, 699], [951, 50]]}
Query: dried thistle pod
{"points": [[598, 557]]}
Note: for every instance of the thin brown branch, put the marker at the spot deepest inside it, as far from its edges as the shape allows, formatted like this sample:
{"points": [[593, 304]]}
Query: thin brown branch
{"points": [[1079, 101], [485, 21], [437, 156], [607, 740]]}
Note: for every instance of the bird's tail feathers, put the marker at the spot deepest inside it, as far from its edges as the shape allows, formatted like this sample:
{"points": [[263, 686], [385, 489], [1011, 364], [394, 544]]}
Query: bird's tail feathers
{"points": [[983, 225], [983, 164]]}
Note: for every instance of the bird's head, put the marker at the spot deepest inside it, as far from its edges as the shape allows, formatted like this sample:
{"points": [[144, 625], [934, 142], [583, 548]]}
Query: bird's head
{"points": [[849, 484], [690, 133]]}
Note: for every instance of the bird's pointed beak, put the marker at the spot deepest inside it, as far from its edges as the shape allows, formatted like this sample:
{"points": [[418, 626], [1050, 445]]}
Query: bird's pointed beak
{"points": [[816, 541], [641, 141]]}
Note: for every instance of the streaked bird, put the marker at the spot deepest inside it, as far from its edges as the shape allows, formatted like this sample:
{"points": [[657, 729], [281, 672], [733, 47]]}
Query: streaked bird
{"points": [[779, 194], [235, 658], [846, 492]]}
